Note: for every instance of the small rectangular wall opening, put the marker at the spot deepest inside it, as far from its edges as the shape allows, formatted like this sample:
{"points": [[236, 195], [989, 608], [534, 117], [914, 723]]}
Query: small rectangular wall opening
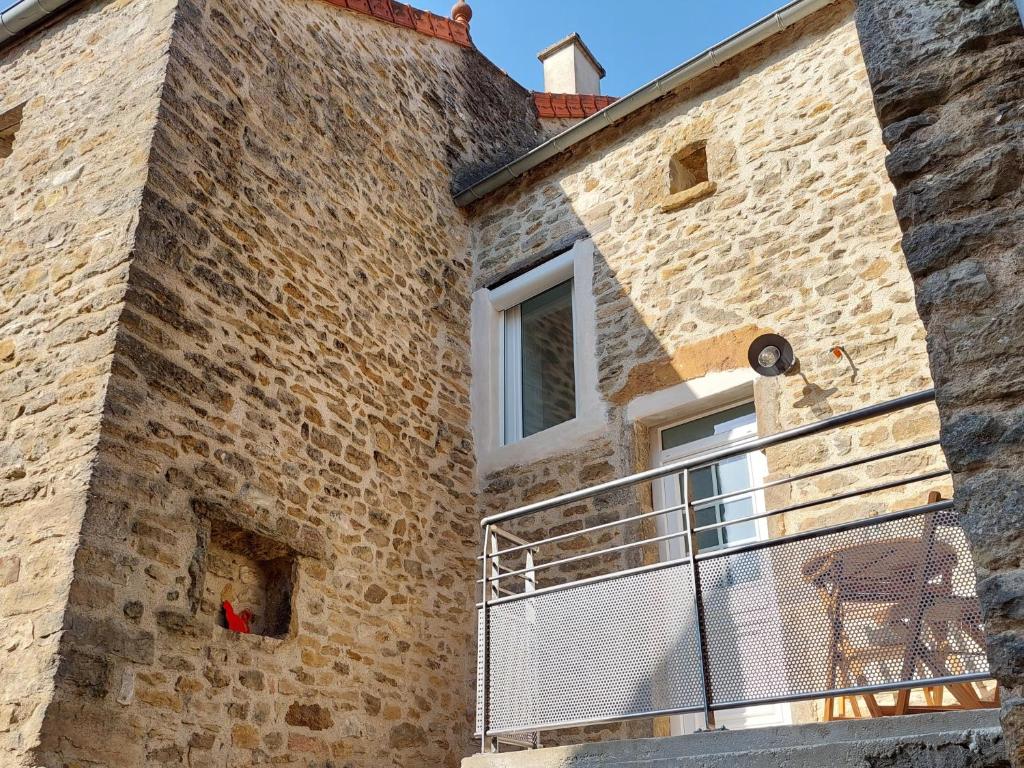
{"points": [[688, 168], [250, 576], [10, 122]]}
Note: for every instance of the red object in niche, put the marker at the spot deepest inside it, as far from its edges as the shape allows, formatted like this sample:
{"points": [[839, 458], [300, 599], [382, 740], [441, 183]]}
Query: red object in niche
{"points": [[237, 622]]}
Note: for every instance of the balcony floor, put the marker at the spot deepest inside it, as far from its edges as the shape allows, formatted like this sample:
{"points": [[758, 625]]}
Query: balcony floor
{"points": [[969, 739]]}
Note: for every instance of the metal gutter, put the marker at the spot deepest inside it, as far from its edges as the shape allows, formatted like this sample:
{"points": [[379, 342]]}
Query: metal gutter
{"points": [[714, 56], [25, 14]]}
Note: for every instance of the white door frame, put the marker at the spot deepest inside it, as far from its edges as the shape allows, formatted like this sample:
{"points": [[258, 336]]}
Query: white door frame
{"points": [[666, 493]]}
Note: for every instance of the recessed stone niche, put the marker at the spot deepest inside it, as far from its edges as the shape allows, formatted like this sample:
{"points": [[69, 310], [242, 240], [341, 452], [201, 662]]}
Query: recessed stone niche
{"points": [[10, 122], [253, 573], [688, 178]]}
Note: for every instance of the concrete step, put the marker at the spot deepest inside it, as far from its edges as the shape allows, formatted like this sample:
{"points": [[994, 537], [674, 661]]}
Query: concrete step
{"points": [[941, 740]]}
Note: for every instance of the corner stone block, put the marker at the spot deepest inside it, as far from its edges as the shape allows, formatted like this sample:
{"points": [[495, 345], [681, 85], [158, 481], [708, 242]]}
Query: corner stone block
{"points": [[10, 570]]}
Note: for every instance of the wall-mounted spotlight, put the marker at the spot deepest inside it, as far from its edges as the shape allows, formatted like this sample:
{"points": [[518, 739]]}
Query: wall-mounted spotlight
{"points": [[771, 355]]}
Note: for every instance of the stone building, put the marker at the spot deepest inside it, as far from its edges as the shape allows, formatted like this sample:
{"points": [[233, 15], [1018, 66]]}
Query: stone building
{"points": [[262, 273]]}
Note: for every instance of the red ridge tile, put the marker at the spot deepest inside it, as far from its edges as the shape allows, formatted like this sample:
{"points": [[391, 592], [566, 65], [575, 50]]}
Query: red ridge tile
{"points": [[440, 27], [460, 33], [569, 104], [420, 21], [382, 9], [403, 15]]}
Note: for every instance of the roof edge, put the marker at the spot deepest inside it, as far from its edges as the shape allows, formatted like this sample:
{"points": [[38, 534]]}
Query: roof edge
{"points": [[569, 105], [25, 15], [404, 15], [716, 55], [23, 18]]}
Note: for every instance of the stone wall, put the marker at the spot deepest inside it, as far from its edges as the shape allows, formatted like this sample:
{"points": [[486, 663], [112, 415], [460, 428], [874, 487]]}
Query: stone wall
{"points": [[552, 126], [69, 198], [234, 344], [798, 236], [289, 407], [947, 85]]}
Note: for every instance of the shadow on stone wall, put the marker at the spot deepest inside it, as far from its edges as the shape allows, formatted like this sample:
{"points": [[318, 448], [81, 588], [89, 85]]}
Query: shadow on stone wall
{"points": [[799, 238], [289, 407]]}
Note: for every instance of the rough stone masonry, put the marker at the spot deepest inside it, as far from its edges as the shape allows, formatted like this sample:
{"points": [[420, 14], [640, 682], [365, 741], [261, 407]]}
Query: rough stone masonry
{"points": [[69, 203], [948, 85], [798, 236], [234, 348], [234, 342]]}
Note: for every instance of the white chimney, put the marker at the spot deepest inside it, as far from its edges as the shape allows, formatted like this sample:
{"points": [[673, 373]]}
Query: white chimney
{"points": [[570, 67]]}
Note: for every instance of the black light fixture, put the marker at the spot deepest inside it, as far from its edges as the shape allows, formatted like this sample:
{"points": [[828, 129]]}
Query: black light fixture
{"points": [[771, 355]]}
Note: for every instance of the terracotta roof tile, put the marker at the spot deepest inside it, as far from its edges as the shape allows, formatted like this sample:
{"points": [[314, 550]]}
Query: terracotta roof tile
{"points": [[403, 15], [460, 34], [442, 28], [569, 104], [422, 20], [382, 9]]}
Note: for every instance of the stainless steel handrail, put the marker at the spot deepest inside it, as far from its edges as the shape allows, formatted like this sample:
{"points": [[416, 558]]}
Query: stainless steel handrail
{"points": [[494, 572], [586, 556], [733, 550], [574, 534], [832, 422], [903, 449], [827, 499], [815, 533], [708, 500], [590, 580]]}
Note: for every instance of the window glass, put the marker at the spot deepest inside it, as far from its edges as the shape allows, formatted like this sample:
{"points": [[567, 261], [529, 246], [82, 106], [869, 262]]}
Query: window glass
{"points": [[735, 510], [709, 426], [726, 476], [541, 329]]}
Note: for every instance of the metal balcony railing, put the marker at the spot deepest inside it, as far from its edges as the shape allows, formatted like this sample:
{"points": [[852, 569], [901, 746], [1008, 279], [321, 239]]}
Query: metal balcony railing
{"points": [[639, 622]]}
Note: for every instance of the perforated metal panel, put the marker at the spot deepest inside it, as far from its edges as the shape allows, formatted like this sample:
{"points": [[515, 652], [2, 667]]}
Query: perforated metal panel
{"points": [[884, 604], [594, 651], [479, 671], [879, 605]]}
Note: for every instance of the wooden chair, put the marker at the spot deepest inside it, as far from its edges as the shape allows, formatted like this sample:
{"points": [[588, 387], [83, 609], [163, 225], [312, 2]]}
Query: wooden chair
{"points": [[901, 593]]}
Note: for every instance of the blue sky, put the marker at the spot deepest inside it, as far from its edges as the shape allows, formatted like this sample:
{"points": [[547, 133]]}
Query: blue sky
{"points": [[635, 40]]}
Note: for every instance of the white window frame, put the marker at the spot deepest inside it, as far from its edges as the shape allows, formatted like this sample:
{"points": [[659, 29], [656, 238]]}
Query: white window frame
{"points": [[488, 395], [510, 384]]}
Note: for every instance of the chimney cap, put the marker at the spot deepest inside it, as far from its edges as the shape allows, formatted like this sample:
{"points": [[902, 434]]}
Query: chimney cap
{"points": [[462, 13], [573, 39]]}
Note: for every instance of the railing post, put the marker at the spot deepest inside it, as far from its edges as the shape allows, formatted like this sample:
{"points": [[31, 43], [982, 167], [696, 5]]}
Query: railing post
{"points": [[490, 569], [530, 585], [698, 604], [530, 577]]}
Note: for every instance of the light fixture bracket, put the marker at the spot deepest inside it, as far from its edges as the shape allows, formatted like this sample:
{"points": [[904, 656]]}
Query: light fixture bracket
{"points": [[771, 355]]}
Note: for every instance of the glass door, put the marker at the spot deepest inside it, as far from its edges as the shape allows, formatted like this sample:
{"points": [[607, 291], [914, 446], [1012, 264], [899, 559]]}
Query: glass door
{"points": [[727, 427]]}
